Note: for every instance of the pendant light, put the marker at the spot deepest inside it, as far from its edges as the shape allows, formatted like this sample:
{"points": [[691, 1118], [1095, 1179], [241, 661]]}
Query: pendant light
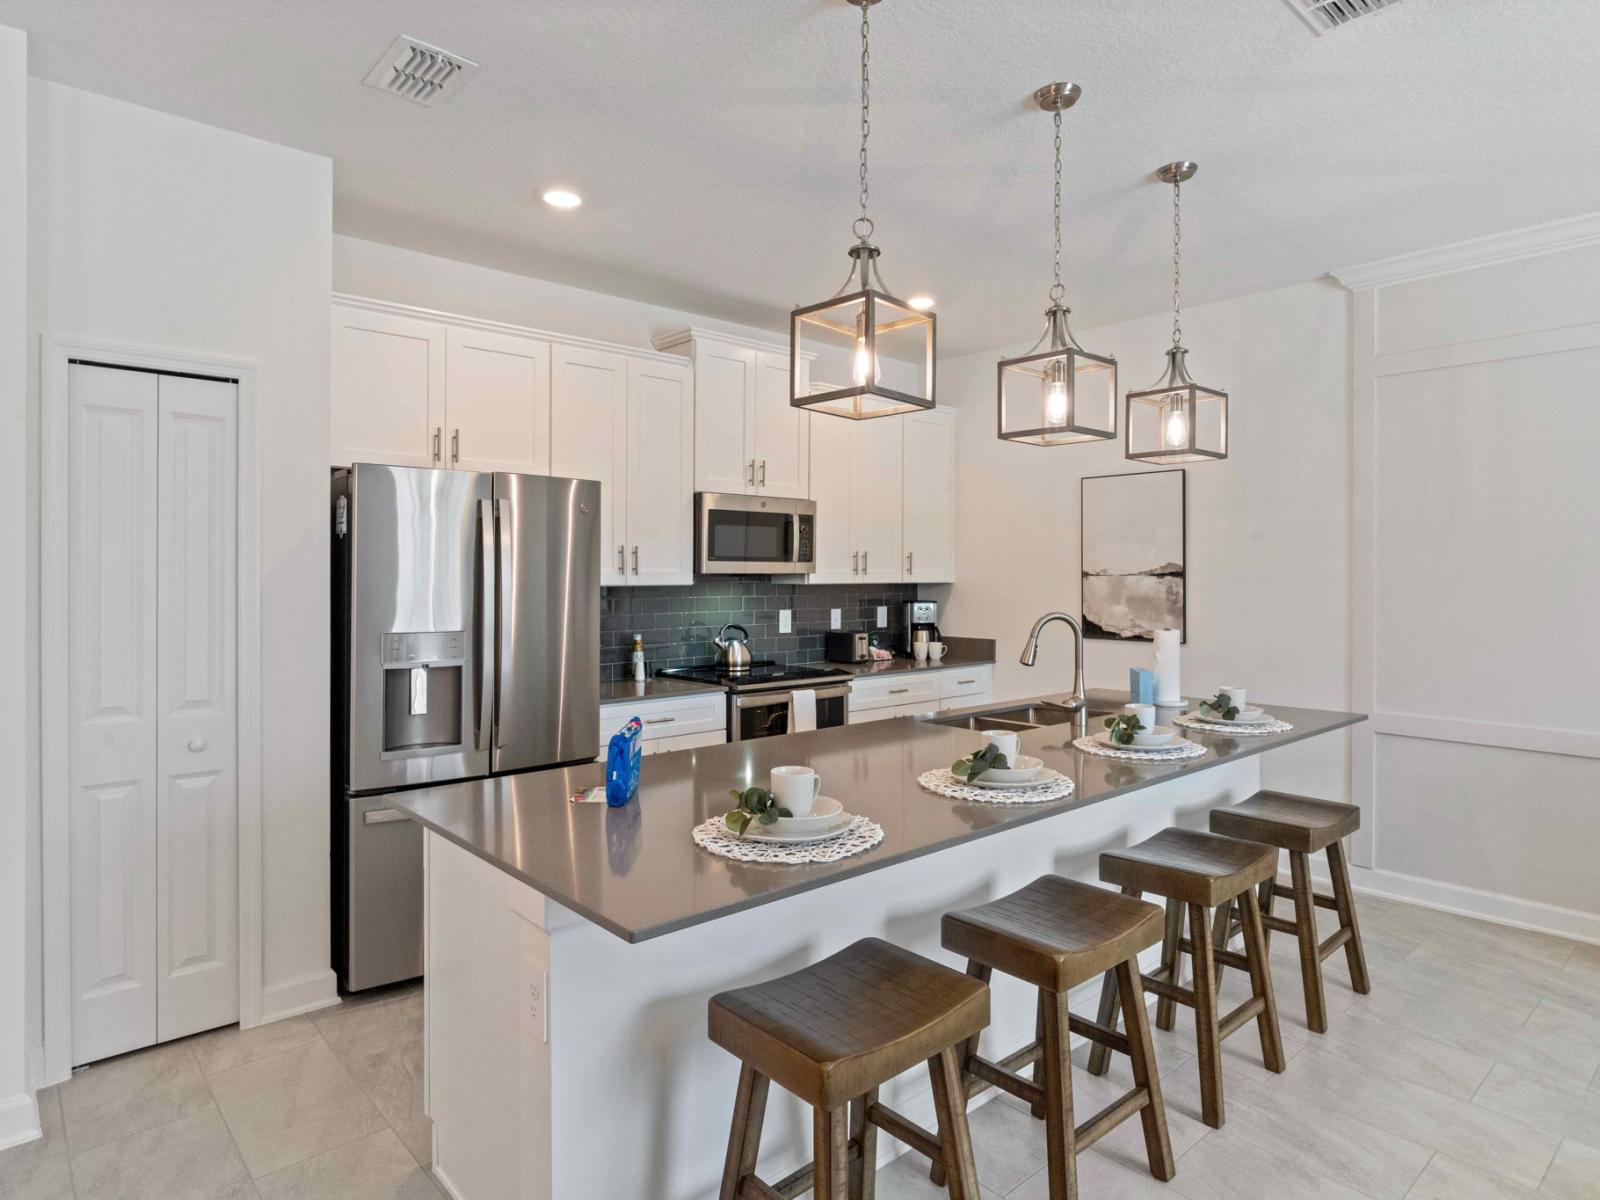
{"points": [[1064, 394], [1177, 420], [882, 345]]}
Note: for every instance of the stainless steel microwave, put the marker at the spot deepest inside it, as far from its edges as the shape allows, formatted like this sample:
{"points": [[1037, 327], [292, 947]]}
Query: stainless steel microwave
{"points": [[754, 535]]}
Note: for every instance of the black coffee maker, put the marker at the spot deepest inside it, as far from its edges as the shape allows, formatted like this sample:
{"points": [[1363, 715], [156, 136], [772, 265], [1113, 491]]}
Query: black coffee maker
{"points": [[921, 624]]}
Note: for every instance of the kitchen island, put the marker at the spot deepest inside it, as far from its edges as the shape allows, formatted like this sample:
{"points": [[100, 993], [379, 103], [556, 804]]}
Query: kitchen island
{"points": [[571, 948]]}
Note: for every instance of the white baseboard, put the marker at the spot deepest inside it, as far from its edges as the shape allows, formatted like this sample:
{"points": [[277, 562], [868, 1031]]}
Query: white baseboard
{"points": [[19, 1120], [1518, 913], [443, 1182], [320, 989]]}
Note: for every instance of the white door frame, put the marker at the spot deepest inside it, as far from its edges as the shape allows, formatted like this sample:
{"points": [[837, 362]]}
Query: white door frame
{"points": [[55, 353]]}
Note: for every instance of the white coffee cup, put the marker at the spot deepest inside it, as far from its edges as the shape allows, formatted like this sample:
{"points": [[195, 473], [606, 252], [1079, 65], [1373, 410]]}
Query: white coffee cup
{"points": [[1236, 694], [936, 650], [1145, 712], [795, 788], [1006, 741], [920, 649]]}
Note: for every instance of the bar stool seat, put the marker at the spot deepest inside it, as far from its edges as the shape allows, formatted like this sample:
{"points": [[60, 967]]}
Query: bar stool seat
{"points": [[832, 1033], [1303, 826], [1191, 866]]}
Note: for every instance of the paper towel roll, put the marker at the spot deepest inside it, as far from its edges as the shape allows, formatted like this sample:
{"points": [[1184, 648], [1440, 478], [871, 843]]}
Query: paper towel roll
{"points": [[1168, 689]]}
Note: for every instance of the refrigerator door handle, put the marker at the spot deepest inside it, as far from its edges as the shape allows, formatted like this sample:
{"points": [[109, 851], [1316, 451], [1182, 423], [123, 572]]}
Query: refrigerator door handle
{"points": [[487, 597], [502, 508]]}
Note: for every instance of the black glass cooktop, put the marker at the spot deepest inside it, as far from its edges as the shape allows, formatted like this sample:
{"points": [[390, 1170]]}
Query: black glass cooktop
{"points": [[761, 674]]}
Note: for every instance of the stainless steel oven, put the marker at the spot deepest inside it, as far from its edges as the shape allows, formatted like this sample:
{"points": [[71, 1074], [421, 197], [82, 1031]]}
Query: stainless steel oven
{"points": [[759, 714], [754, 535]]}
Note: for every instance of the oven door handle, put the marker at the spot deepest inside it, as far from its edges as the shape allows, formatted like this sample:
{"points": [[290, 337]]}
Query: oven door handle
{"points": [[762, 700]]}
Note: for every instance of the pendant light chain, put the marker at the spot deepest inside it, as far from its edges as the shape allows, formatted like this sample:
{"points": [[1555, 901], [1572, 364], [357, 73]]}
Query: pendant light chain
{"points": [[1177, 238], [863, 225], [1056, 290]]}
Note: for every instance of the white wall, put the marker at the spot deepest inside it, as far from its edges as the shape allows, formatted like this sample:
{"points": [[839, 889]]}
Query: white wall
{"points": [[19, 1119], [1268, 528], [151, 230]]}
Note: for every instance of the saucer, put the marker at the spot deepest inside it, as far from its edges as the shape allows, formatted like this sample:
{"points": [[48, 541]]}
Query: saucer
{"points": [[1104, 739], [1154, 738], [824, 819], [1036, 778], [1025, 771]]}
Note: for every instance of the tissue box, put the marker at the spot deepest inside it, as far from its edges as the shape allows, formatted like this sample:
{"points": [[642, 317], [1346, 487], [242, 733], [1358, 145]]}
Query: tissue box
{"points": [[1141, 686]]}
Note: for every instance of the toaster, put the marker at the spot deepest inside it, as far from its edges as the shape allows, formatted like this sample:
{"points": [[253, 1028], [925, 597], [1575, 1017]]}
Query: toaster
{"points": [[846, 646]]}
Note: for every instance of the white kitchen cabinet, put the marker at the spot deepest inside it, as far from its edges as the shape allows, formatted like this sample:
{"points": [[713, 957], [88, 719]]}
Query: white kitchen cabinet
{"points": [[673, 723], [856, 483], [589, 440], [388, 389], [748, 438], [833, 485], [497, 402], [928, 496], [660, 492]]}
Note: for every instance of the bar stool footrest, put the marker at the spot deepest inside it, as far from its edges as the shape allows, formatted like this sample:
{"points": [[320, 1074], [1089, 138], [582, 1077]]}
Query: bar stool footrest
{"points": [[907, 1131], [1317, 898], [1246, 1012], [1335, 941]]}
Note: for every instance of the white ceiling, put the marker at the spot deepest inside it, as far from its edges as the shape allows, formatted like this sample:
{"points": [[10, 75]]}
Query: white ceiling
{"points": [[714, 140]]}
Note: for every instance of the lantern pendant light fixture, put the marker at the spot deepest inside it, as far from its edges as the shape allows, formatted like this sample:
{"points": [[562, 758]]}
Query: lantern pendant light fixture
{"points": [[879, 349], [1177, 420], [1064, 394]]}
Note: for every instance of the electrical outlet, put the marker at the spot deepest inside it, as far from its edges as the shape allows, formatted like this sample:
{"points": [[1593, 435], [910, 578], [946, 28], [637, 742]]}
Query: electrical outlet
{"points": [[835, 618], [883, 616], [538, 1010], [784, 624]]}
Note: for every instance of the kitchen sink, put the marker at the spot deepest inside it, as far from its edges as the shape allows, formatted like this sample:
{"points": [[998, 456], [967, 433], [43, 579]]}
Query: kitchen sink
{"points": [[1022, 716], [983, 723]]}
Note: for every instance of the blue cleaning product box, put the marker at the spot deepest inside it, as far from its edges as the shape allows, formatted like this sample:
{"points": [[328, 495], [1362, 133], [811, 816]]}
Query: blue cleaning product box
{"points": [[1141, 686], [623, 757]]}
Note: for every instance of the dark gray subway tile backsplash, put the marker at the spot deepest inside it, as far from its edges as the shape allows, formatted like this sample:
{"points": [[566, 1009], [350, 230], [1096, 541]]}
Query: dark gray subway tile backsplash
{"points": [[678, 623]]}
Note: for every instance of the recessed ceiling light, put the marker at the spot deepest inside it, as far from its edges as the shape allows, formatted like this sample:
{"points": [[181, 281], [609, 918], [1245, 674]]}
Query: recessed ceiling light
{"points": [[921, 302], [562, 198]]}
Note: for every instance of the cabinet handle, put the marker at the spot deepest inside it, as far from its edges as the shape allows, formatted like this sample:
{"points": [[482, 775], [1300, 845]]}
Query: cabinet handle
{"points": [[855, 562], [864, 562], [636, 560], [660, 720], [909, 560], [620, 552], [197, 744], [438, 434], [898, 691], [763, 472], [960, 682], [750, 472], [455, 445]]}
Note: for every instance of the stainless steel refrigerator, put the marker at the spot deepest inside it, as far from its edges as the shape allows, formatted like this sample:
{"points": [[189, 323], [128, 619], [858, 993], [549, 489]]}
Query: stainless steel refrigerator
{"points": [[466, 643]]}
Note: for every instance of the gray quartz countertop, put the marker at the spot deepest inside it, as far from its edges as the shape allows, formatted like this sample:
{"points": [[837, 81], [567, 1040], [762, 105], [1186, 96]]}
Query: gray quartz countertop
{"points": [[953, 660], [635, 871], [653, 688]]}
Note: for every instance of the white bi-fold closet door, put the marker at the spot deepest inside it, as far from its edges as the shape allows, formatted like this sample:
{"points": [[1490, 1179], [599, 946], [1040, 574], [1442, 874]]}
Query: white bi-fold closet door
{"points": [[153, 748]]}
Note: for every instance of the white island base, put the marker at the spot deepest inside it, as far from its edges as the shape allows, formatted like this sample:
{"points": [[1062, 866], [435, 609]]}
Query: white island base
{"points": [[564, 1063]]}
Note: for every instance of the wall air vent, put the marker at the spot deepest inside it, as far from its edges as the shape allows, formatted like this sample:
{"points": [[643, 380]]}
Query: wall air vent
{"points": [[1325, 16], [419, 72]]}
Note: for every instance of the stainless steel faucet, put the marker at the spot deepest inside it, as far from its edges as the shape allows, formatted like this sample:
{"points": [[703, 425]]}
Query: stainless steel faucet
{"points": [[1079, 700]]}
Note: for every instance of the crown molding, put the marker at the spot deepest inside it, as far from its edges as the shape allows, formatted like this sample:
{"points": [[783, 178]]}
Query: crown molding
{"points": [[1569, 234], [669, 341]]}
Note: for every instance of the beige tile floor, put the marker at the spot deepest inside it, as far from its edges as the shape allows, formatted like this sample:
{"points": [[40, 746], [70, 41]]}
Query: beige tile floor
{"points": [[1472, 1072]]}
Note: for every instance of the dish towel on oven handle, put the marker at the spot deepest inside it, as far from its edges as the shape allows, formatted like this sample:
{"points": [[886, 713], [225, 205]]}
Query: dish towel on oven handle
{"points": [[802, 711]]}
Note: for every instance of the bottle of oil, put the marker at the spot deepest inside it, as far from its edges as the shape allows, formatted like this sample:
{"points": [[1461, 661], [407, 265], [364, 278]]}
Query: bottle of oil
{"points": [[638, 658]]}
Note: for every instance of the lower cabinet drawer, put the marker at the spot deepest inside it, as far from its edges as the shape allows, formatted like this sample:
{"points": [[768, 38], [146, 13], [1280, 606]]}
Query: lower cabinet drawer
{"points": [[973, 681], [895, 692], [681, 716]]}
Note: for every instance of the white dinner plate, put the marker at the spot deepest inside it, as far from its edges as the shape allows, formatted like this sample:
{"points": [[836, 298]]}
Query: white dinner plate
{"points": [[1041, 776], [1151, 738], [757, 832], [1104, 738], [1023, 772], [825, 815], [1248, 716]]}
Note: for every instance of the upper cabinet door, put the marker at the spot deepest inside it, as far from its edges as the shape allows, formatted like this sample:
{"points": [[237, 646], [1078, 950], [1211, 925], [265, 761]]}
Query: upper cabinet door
{"points": [[929, 492], [878, 500], [781, 433], [833, 483], [589, 440], [724, 393], [660, 523], [498, 402], [388, 389]]}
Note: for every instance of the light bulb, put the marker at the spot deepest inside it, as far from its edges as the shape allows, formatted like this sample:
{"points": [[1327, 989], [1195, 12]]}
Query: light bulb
{"points": [[1055, 394], [864, 366], [1177, 426]]}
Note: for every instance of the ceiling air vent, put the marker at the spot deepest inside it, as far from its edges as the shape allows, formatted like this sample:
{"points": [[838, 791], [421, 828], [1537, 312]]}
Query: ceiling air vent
{"points": [[419, 72], [1325, 16]]}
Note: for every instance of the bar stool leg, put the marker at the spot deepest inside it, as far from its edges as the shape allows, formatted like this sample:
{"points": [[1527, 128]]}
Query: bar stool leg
{"points": [[830, 1143], [864, 1135], [744, 1141], [1266, 893], [1208, 1042], [1060, 1140], [1141, 1053], [1346, 902], [1171, 952], [1040, 1075], [1099, 1056], [950, 1106], [1305, 921], [1255, 949]]}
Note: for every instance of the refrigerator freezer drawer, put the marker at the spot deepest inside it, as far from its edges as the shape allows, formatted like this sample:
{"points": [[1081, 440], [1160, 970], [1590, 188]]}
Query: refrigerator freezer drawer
{"points": [[383, 902]]}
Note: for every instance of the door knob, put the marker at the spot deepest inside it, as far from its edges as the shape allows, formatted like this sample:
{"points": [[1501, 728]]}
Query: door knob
{"points": [[197, 744]]}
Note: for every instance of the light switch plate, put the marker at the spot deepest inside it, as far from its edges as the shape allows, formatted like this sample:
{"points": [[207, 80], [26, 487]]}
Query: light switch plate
{"points": [[783, 620], [883, 616], [836, 619], [538, 1010]]}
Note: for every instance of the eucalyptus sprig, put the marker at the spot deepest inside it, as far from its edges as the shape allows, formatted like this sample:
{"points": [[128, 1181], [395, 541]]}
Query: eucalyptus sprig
{"points": [[1123, 728], [974, 765], [1221, 705], [753, 804]]}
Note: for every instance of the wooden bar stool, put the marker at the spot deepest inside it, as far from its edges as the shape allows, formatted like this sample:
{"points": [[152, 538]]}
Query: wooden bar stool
{"points": [[1302, 825], [1197, 871], [832, 1033], [1055, 934]]}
